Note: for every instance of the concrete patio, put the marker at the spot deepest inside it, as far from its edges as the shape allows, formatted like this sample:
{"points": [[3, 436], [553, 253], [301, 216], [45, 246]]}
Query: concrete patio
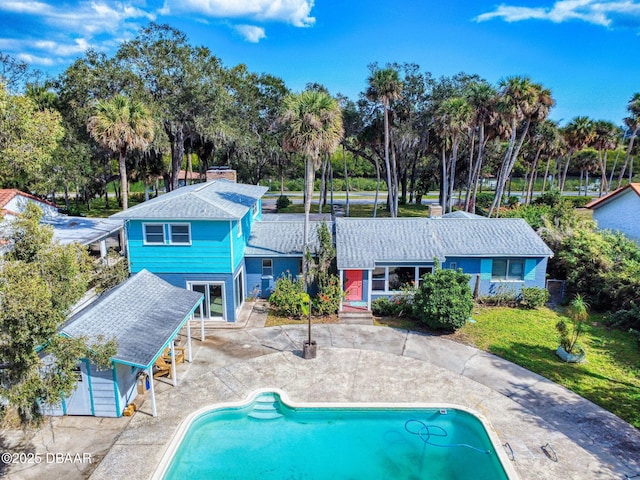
{"points": [[356, 364]]}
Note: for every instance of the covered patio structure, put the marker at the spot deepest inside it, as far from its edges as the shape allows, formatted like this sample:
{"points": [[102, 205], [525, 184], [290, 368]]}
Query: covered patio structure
{"points": [[143, 315]]}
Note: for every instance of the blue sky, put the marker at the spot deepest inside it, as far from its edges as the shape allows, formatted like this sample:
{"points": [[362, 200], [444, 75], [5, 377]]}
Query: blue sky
{"points": [[585, 51]]}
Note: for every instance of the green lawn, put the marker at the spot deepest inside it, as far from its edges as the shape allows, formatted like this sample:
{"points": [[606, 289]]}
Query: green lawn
{"points": [[361, 210], [610, 377]]}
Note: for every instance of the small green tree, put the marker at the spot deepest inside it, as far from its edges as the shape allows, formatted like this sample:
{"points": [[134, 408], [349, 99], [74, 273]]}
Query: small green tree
{"points": [[444, 300], [322, 270], [39, 282], [578, 312]]}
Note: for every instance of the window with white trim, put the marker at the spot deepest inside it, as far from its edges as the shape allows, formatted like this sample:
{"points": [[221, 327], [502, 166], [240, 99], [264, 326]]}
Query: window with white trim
{"points": [[255, 209], [267, 267], [509, 269], [153, 233], [239, 228], [179, 233], [394, 278], [176, 234]]}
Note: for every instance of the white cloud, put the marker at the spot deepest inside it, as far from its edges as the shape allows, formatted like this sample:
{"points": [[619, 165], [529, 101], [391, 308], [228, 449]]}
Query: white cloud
{"points": [[590, 11], [295, 12], [251, 33], [36, 60]]}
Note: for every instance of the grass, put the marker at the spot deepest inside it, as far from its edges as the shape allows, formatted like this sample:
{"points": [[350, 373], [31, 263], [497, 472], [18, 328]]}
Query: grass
{"points": [[363, 210], [610, 377]]}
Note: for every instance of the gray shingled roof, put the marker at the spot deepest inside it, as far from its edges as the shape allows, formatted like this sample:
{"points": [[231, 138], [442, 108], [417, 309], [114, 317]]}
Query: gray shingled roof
{"points": [[214, 200], [141, 314], [280, 238], [363, 242]]}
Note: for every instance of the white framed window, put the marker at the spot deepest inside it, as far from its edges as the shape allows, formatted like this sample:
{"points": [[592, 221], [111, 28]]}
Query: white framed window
{"points": [[255, 210], [214, 305], [394, 278], [267, 267], [153, 233], [509, 269], [239, 228], [179, 234], [453, 266], [238, 289]]}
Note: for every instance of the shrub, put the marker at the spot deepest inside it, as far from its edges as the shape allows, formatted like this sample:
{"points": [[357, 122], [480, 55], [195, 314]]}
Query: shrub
{"points": [[444, 300], [626, 319], [383, 307], [484, 199], [578, 312], [282, 202], [578, 202], [328, 299], [533, 297], [289, 298], [503, 295]]}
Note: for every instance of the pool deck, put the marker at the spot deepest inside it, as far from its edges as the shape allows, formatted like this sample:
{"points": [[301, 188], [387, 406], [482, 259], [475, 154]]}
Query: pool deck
{"points": [[355, 363]]}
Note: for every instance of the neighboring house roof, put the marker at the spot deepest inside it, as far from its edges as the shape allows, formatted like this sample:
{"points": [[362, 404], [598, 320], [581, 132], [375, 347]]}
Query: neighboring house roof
{"points": [[141, 314], [66, 229], [599, 202], [13, 201], [83, 230], [281, 238], [461, 214], [363, 242], [214, 200]]}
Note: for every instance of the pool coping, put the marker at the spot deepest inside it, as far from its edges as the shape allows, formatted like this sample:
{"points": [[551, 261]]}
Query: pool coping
{"points": [[178, 436]]}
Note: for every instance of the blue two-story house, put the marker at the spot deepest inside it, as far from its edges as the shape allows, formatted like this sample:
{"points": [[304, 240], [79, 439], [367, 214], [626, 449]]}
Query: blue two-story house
{"points": [[195, 238]]}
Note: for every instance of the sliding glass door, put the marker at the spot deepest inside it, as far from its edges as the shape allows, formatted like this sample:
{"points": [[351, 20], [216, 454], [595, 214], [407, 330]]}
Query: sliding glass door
{"points": [[213, 306]]}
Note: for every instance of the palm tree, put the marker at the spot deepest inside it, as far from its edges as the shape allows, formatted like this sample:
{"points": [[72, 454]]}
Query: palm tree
{"points": [[605, 139], [578, 133], [481, 96], [633, 123], [385, 87], [544, 137], [121, 124], [453, 119], [312, 122], [521, 102]]}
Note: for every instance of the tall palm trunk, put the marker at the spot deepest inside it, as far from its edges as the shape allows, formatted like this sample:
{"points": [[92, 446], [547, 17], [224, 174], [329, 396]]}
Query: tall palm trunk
{"points": [[627, 157], [123, 178], [346, 180], [375, 200], [387, 163], [478, 168], [309, 175]]}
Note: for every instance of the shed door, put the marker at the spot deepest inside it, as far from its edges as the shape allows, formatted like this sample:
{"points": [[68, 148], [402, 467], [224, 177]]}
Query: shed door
{"points": [[353, 285], [79, 402]]}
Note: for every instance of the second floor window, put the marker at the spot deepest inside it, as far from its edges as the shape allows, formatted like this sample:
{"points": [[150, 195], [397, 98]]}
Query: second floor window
{"points": [[154, 233], [179, 233], [169, 233]]}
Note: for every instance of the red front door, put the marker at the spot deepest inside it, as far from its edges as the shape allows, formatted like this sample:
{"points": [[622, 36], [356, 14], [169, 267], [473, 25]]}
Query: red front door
{"points": [[353, 285]]}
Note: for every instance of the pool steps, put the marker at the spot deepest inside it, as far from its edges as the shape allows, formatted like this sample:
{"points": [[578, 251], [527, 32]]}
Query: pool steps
{"points": [[266, 407]]}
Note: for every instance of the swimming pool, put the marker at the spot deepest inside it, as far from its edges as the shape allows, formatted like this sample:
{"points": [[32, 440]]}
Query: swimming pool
{"points": [[269, 437]]}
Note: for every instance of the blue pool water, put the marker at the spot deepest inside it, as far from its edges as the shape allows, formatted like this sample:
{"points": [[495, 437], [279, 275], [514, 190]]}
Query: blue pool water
{"points": [[266, 439]]}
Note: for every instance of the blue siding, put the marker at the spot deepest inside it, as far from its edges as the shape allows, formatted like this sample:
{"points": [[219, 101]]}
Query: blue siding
{"points": [[210, 250], [259, 286], [181, 279], [126, 379], [535, 275], [102, 389]]}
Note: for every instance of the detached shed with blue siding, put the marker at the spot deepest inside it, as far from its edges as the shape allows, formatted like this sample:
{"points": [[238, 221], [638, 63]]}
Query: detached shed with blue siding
{"points": [[376, 257], [143, 315]]}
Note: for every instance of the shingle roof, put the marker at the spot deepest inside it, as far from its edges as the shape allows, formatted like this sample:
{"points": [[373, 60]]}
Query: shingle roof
{"points": [[141, 314], [214, 200], [363, 242], [598, 202], [280, 238]]}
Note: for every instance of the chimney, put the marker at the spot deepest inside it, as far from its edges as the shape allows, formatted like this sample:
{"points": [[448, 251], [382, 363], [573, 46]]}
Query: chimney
{"points": [[435, 211], [221, 173]]}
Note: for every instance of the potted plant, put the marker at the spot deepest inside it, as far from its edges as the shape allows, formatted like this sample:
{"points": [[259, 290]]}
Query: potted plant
{"points": [[569, 350]]}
